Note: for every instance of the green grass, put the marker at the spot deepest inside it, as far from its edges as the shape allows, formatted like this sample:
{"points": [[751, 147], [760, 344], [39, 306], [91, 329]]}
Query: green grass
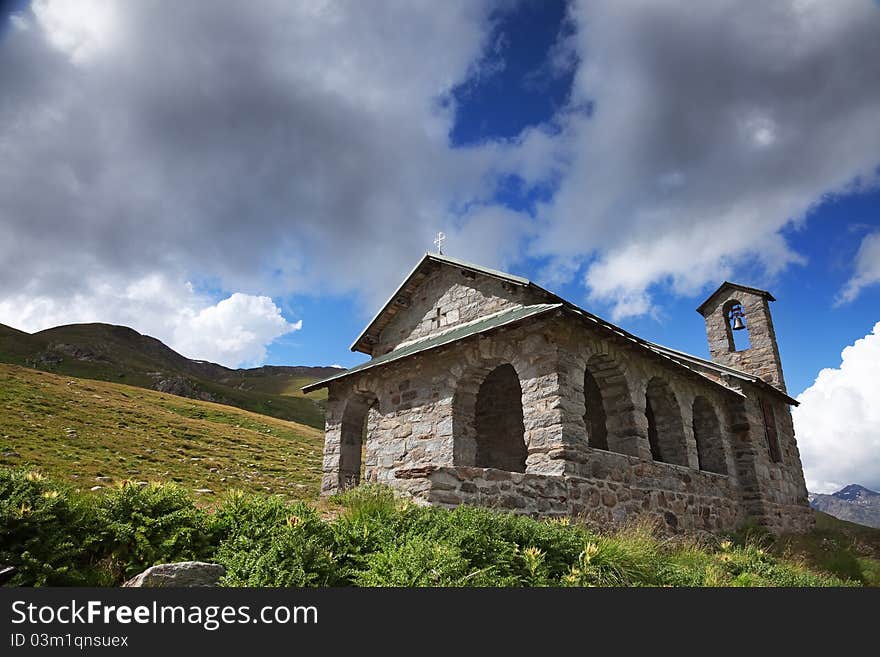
{"points": [[372, 538], [279, 384], [78, 430], [836, 546]]}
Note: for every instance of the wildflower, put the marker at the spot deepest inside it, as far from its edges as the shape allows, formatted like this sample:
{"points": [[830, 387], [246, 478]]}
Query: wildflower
{"points": [[590, 551]]}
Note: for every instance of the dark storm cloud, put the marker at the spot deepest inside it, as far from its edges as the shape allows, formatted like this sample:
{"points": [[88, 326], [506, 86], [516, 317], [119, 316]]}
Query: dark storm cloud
{"points": [[275, 147]]}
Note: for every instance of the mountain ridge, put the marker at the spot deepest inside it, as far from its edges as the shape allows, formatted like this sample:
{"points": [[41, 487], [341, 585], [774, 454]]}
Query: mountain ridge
{"points": [[115, 353], [854, 502]]}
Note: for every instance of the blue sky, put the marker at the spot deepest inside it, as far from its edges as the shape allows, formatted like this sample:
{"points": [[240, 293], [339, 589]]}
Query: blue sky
{"points": [[248, 182], [812, 330]]}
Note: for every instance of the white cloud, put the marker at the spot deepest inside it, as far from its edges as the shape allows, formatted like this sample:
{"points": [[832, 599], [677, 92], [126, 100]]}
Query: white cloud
{"points": [[79, 29], [867, 269], [838, 421], [281, 148], [712, 128], [233, 332]]}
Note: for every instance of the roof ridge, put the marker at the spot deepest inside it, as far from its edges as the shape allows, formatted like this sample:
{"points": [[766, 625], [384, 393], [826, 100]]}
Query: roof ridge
{"points": [[739, 286], [449, 260]]}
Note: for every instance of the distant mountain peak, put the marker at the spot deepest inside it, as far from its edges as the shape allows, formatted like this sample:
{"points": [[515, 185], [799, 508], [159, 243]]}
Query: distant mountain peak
{"points": [[855, 492], [854, 503]]}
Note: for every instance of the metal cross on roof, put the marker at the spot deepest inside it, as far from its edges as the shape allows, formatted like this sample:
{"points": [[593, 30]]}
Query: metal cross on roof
{"points": [[441, 237]]}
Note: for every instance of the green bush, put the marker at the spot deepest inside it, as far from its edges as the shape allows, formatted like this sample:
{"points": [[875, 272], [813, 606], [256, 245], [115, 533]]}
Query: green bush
{"points": [[43, 530], [421, 562], [57, 537], [631, 558], [369, 501], [265, 541], [256, 517], [139, 527]]}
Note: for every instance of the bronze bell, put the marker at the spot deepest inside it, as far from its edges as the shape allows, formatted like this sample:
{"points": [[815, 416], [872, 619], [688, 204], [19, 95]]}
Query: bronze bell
{"points": [[738, 323]]}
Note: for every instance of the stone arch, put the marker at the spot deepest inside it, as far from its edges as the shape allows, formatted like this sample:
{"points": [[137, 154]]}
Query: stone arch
{"points": [[498, 422], [665, 428], [708, 436], [606, 403], [595, 418], [736, 340], [488, 426], [353, 438]]}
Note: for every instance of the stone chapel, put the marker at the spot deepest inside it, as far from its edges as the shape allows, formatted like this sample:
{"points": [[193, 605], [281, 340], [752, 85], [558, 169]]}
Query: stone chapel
{"points": [[484, 388]]}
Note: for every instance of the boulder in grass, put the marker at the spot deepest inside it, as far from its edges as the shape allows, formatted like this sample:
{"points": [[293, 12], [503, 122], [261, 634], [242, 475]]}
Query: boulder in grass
{"points": [[185, 573]]}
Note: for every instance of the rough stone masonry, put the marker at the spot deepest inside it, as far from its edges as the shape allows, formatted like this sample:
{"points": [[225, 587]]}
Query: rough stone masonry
{"points": [[484, 388]]}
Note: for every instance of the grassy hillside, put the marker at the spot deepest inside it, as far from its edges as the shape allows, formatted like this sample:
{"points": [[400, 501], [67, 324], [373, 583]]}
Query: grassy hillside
{"points": [[119, 354], [92, 433], [844, 548]]}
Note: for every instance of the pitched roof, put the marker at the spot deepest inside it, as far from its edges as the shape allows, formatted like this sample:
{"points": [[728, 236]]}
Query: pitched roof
{"points": [[736, 286], [722, 370], [454, 334], [400, 298], [693, 364]]}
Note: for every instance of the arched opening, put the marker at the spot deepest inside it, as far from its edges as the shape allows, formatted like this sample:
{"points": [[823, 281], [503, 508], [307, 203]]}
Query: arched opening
{"points": [[353, 440], [770, 432], [607, 403], [665, 430], [595, 418], [498, 422], [736, 326], [707, 433]]}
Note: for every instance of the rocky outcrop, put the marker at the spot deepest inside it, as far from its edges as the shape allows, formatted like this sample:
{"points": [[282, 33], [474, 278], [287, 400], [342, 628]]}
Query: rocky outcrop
{"points": [[183, 574], [183, 387]]}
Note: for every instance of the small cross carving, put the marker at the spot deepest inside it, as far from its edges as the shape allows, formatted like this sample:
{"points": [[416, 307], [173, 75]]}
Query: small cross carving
{"points": [[436, 321], [441, 237]]}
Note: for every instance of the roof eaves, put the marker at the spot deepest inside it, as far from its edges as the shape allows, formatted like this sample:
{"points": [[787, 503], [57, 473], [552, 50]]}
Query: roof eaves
{"points": [[391, 299], [649, 346], [727, 370], [434, 341]]}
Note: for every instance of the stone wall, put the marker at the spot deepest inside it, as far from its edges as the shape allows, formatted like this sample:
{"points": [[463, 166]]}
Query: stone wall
{"points": [[617, 488], [422, 420], [426, 405], [450, 297], [774, 492]]}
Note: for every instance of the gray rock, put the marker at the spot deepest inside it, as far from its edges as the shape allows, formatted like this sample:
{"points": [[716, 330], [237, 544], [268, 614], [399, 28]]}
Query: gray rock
{"points": [[183, 574]]}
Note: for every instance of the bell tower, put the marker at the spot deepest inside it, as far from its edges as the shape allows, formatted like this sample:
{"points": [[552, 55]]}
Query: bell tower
{"points": [[740, 331]]}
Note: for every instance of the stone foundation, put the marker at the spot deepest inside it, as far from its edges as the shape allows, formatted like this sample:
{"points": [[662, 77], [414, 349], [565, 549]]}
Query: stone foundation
{"points": [[611, 489]]}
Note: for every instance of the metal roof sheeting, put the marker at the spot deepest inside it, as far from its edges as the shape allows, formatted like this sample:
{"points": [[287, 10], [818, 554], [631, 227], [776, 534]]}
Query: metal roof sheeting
{"points": [[449, 336]]}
